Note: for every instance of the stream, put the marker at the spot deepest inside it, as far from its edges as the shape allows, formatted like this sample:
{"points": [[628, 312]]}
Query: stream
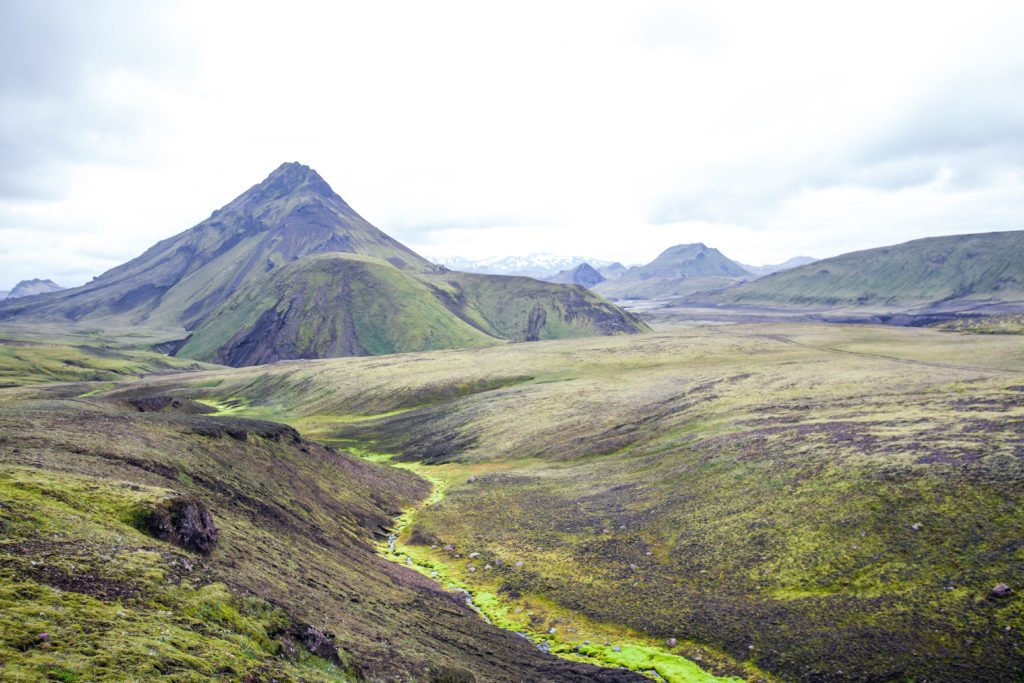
{"points": [[394, 553]]}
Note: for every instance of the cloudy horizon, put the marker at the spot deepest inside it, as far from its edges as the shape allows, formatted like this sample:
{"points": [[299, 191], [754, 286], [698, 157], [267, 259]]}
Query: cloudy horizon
{"points": [[605, 131]]}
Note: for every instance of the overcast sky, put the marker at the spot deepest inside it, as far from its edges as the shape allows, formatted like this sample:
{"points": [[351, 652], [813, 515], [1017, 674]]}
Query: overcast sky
{"points": [[607, 130]]}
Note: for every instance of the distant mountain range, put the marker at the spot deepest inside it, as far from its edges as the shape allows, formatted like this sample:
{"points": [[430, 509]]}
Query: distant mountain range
{"points": [[540, 266], [289, 270], [954, 273], [679, 270]]}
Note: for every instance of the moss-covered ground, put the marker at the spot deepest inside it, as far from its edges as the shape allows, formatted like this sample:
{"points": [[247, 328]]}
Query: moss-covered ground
{"points": [[816, 502]]}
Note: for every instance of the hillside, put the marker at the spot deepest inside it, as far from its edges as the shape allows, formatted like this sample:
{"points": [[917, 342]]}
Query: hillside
{"points": [[582, 274], [329, 305], [178, 281], [144, 539], [33, 287], [942, 273], [678, 270]]}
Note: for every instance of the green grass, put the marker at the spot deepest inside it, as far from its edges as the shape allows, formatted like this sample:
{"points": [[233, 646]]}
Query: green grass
{"points": [[24, 361], [85, 596], [978, 267]]}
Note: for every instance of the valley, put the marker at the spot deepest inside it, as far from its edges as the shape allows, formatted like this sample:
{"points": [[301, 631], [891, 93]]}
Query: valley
{"points": [[791, 502]]}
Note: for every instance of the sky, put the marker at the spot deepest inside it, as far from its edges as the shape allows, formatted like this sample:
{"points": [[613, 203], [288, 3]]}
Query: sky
{"points": [[608, 130]]}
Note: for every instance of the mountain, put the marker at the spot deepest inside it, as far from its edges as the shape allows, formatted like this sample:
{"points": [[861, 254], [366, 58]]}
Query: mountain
{"points": [[180, 280], [289, 270], [612, 271], [785, 265], [943, 273], [582, 274], [33, 287], [329, 305], [682, 269], [540, 266]]}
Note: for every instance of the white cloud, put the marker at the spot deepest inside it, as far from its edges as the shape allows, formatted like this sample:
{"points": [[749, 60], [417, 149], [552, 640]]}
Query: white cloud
{"points": [[613, 131]]}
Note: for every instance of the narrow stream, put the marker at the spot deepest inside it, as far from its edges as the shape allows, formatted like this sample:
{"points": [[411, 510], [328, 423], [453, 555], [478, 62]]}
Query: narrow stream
{"points": [[396, 554]]}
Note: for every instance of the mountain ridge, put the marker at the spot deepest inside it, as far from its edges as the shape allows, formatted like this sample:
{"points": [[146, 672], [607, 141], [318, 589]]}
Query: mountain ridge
{"points": [[934, 272]]}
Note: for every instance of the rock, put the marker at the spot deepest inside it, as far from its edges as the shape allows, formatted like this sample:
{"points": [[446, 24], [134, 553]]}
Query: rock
{"points": [[184, 522], [471, 569], [616, 648], [451, 674], [449, 548], [519, 563], [471, 480], [473, 556], [1001, 590], [552, 630], [319, 643], [487, 566], [671, 642], [916, 526]]}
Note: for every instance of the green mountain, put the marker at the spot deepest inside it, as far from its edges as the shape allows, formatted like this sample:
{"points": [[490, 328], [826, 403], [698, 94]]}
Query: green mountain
{"points": [[178, 281], [335, 304], [678, 270], [289, 270], [330, 305], [955, 272]]}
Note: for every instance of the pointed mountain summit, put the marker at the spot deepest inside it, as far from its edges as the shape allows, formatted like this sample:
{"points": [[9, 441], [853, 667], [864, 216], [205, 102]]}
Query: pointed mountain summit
{"points": [[292, 214]]}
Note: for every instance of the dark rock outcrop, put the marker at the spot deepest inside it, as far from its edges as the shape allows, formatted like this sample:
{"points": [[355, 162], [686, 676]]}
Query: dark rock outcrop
{"points": [[185, 522]]}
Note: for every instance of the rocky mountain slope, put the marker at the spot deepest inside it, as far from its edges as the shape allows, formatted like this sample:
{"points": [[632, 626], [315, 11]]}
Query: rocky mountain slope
{"points": [[947, 273]]}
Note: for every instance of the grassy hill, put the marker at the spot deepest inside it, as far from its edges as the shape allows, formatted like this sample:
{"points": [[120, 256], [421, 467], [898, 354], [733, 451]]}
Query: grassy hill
{"points": [[348, 305], [330, 305], [678, 270], [813, 502], [938, 272]]}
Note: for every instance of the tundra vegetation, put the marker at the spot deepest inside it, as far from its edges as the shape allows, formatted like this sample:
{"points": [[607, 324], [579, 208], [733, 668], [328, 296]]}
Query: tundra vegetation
{"points": [[792, 502]]}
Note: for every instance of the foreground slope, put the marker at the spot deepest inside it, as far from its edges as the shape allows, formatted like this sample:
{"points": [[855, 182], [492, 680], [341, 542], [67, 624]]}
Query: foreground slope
{"points": [[956, 272], [177, 282], [289, 588], [822, 502]]}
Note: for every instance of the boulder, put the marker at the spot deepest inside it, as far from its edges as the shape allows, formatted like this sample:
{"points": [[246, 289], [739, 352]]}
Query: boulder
{"points": [[185, 522], [1000, 590]]}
